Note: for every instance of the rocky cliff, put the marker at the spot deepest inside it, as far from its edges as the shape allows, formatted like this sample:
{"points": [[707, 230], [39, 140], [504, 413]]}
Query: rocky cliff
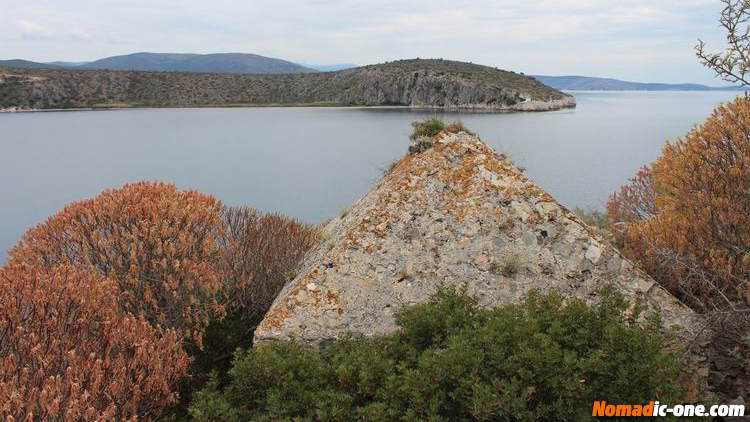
{"points": [[414, 83], [456, 214]]}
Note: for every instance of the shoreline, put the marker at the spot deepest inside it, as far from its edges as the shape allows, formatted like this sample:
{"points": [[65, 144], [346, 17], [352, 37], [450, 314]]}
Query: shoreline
{"points": [[528, 106], [40, 110]]}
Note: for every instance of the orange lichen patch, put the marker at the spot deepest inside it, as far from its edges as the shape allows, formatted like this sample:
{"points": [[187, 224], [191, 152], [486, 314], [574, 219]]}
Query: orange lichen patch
{"points": [[461, 166], [332, 298], [278, 314], [318, 299], [399, 185], [464, 182], [398, 168], [275, 318]]}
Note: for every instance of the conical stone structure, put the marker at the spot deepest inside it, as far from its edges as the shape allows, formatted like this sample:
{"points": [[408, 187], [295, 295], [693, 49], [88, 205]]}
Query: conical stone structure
{"points": [[455, 214]]}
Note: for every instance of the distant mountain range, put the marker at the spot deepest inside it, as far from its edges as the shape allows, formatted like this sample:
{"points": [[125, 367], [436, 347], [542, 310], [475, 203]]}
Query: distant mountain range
{"points": [[167, 62], [26, 64], [586, 83], [256, 64]]}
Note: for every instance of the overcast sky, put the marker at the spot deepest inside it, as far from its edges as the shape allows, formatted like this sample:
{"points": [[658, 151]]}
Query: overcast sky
{"points": [[642, 40]]}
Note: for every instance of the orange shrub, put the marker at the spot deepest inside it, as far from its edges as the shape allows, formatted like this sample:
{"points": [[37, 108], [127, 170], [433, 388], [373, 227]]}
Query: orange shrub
{"points": [[157, 243], [68, 352], [687, 220], [261, 253]]}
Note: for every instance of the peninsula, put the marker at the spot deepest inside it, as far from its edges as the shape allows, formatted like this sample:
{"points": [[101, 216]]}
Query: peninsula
{"points": [[418, 83]]}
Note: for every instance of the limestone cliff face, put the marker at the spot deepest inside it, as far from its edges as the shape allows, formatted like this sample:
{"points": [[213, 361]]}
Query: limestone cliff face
{"points": [[413, 83], [456, 214], [447, 84]]}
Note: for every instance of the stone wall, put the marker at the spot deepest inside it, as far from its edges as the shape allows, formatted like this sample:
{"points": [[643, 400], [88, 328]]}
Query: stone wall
{"points": [[458, 214]]}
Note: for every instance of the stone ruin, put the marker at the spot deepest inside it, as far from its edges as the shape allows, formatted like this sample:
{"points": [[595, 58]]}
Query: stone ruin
{"points": [[456, 214]]}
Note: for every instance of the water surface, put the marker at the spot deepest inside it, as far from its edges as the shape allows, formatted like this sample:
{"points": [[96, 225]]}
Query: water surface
{"points": [[311, 163]]}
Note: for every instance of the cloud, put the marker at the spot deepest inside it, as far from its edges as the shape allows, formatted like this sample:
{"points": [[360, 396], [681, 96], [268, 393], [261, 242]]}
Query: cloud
{"points": [[544, 36], [79, 34], [29, 30]]}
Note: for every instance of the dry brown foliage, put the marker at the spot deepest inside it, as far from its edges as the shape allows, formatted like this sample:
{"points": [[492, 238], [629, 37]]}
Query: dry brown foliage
{"points": [[159, 245], [261, 252], [68, 351], [687, 219], [456, 127]]}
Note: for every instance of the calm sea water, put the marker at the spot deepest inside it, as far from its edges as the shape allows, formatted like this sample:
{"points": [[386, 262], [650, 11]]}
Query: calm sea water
{"points": [[311, 163]]}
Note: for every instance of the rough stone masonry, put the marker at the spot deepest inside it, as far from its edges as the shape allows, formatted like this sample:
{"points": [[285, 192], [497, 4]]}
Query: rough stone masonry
{"points": [[457, 214]]}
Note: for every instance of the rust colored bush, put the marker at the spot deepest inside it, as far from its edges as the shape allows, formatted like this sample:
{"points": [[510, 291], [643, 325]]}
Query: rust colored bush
{"points": [[261, 253], [68, 351], [687, 220], [159, 245]]}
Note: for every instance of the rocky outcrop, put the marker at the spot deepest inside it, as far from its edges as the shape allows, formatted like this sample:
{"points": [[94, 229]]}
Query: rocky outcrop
{"points": [[457, 214], [413, 83]]}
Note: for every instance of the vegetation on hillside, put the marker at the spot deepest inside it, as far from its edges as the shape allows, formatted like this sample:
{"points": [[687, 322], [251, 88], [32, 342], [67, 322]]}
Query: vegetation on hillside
{"points": [[427, 83], [207, 63], [543, 359]]}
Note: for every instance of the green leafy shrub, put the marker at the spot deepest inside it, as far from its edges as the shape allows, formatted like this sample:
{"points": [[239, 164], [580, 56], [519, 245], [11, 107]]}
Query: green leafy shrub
{"points": [[542, 359], [259, 253], [426, 128]]}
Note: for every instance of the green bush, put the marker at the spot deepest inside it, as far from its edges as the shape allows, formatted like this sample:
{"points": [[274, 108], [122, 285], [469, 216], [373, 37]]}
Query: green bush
{"points": [[426, 128], [543, 359], [259, 253]]}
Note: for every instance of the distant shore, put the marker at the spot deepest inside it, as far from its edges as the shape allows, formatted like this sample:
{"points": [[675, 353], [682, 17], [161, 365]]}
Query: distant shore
{"points": [[40, 110], [422, 83], [531, 106]]}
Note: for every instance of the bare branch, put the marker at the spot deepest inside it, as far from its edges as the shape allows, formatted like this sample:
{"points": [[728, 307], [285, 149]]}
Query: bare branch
{"points": [[733, 64]]}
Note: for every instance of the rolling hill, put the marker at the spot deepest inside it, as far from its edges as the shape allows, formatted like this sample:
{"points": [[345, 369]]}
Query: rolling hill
{"points": [[413, 83], [27, 64], [198, 63], [165, 62], [240, 63], [586, 83]]}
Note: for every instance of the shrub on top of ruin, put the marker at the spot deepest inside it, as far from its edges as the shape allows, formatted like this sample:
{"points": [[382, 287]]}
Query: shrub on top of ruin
{"points": [[159, 245], [686, 219], [69, 352], [426, 128], [543, 359]]}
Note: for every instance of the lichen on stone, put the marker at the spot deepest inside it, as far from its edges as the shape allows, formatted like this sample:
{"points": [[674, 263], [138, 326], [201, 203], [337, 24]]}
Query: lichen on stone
{"points": [[456, 214]]}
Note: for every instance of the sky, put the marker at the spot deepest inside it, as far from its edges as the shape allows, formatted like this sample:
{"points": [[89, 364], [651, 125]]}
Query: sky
{"points": [[639, 40]]}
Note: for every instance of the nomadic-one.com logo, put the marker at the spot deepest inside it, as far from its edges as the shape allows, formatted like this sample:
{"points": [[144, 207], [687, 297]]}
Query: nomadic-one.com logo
{"points": [[653, 408]]}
